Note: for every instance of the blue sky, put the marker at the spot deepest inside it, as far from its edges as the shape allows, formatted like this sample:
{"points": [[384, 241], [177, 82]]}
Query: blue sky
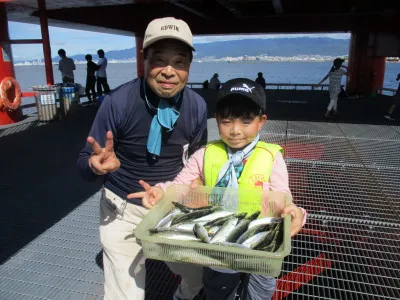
{"points": [[81, 42]]}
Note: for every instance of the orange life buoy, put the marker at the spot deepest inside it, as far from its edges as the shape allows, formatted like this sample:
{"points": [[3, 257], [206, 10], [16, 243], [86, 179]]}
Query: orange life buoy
{"points": [[6, 84]]}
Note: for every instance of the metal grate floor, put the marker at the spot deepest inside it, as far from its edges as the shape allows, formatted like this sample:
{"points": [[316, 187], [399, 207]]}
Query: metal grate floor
{"points": [[347, 177]]}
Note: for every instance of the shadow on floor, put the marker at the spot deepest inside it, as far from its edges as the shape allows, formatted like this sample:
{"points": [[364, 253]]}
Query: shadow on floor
{"points": [[39, 182]]}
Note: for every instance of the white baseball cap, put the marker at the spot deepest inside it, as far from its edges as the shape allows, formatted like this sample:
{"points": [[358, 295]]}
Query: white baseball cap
{"points": [[167, 28]]}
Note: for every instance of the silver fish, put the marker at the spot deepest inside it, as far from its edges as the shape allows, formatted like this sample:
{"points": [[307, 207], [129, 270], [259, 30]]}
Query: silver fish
{"points": [[277, 239], [223, 232], [220, 221], [266, 220], [201, 233], [178, 236], [189, 217], [238, 230], [186, 209], [268, 239], [167, 220], [255, 239], [212, 230], [214, 216], [252, 231], [169, 229], [181, 207], [185, 226]]}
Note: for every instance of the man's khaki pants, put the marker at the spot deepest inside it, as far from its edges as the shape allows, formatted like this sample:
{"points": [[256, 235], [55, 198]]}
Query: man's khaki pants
{"points": [[124, 263]]}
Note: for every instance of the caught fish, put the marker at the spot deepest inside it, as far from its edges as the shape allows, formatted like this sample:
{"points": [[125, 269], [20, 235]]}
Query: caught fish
{"points": [[277, 240], [201, 233], [241, 227], [267, 220], [181, 207], [186, 209], [167, 220], [215, 215], [220, 221], [253, 216], [252, 231], [202, 207], [212, 230], [268, 239], [178, 236], [192, 215], [222, 234], [169, 229], [185, 226], [255, 239]]}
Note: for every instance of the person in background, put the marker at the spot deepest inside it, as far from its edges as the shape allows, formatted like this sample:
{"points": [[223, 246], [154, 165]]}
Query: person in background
{"points": [[215, 84], [102, 74], [396, 101], [144, 129], [335, 83], [90, 78], [260, 80], [66, 66], [240, 114]]}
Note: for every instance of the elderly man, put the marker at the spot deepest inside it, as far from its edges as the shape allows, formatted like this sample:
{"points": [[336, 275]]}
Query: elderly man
{"points": [[144, 129]]}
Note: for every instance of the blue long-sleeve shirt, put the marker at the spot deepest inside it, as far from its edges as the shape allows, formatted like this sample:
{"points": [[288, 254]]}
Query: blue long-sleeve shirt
{"points": [[125, 113]]}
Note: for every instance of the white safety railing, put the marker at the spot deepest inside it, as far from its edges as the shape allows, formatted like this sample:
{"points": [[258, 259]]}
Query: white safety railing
{"points": [[278, 86], [386, 91]]}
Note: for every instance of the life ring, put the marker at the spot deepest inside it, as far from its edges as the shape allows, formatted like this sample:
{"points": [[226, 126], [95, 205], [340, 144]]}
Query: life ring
{"points": [[6, 84]]}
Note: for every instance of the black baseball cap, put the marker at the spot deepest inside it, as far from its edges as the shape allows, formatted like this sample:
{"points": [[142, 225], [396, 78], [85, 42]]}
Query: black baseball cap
{"points": [[245, 88]]}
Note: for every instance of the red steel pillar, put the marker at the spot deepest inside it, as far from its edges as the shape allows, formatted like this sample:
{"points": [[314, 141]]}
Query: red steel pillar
{"points": [[139, 55], [366, 71], [7, 116], [46, 42], [378, 66]]}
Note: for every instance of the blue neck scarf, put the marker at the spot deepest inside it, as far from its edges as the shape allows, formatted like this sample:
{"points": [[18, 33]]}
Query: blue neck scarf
{"points": [[165, 116], [229, 174], [232, 169]]}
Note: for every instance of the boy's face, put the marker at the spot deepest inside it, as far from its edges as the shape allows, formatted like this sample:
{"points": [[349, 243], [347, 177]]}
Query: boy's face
{"points": [[238, 133]]}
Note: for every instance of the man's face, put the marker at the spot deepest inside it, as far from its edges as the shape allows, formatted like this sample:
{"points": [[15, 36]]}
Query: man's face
{"points": [[239, 132], [166, 67]]}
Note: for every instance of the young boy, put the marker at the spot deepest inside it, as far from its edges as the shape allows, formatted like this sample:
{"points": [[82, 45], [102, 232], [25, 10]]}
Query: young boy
{"points": [[239, 159]]}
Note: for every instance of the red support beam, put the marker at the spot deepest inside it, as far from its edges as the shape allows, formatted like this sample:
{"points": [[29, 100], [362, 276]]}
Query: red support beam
{"points": [[28, 94], [366, 70], [139, 55], [26, 41], [44, 26]]}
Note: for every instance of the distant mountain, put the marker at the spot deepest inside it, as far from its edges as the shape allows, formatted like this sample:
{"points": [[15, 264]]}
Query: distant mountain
{"points": [[285, 47], [274, 47]]}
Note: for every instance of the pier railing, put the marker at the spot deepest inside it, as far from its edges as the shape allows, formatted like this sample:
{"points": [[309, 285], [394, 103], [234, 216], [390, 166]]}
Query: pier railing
{"points": [[269, 86], [386, 91], [278, 86]]}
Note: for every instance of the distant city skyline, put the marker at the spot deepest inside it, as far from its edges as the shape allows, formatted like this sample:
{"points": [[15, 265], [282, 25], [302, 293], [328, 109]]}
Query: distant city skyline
{"points": [[79, 41]]}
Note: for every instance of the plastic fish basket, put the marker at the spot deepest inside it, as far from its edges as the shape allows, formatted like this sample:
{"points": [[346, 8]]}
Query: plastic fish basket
{"points": [[211, 255]]}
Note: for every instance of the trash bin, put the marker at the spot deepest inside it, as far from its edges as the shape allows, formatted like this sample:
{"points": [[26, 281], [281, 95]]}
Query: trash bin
{"points": [[46, 102], [69, 93]]}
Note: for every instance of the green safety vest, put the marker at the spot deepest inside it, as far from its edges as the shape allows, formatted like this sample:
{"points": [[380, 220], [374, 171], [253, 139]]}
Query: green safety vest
{"points": [[257, 169]]}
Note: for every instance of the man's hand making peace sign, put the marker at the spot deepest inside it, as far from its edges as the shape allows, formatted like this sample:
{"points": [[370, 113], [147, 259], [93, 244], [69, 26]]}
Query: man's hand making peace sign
{"points": [[103, 160]]}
